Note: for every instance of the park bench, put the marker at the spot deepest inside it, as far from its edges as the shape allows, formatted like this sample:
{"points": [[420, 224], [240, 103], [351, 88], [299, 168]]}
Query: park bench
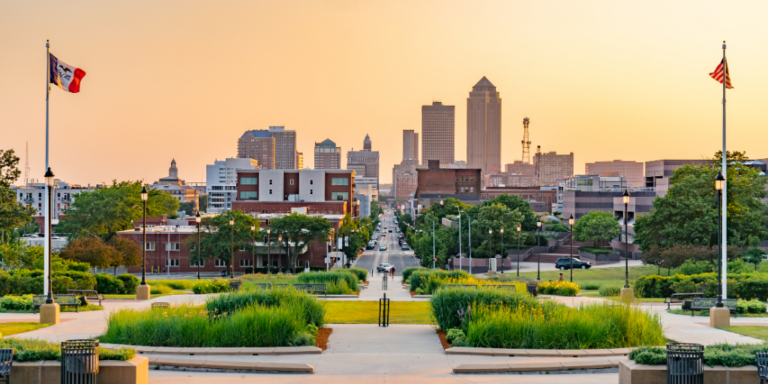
{"points": [[62, 300], [89, 294], [459, 286], [509, 287], [314, 289], [234, 285], [707, 303], [681, 298], [160, 304], [762, 366], [6, 362]]}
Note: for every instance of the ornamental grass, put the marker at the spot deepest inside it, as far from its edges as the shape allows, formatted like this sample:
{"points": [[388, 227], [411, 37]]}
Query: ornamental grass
{"points": [[427, 282], [312, 309], [446, 303]]}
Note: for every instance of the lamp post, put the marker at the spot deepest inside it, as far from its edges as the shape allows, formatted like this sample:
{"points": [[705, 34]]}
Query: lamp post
{"points": [[503, 250], [627, 294], [269, 252], [197, 220], [253, 249], [457, 208], [538, 261], [490, 243], [143, 290], [279, 250], [49, 312], [570, 222], [719, 182], [519, 229], [232, 248]]}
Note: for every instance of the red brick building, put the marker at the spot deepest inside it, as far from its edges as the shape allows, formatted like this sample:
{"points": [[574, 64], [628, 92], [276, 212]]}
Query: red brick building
{"points": [[435, 183]]}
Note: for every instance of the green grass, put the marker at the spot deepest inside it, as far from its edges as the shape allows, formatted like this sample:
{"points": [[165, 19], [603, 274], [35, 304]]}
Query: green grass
{"points": [[8, 329], [367, 312], [756, 331], [133, 297], [596, 251], [593, 276], [90, 307]]}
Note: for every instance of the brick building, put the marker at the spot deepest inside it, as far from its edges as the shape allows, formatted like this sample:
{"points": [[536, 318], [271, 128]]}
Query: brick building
{"points": [[632, 171], [258, 145], [435, 183], [539, 199], [327, 155], [552, 167], [365, 163]]}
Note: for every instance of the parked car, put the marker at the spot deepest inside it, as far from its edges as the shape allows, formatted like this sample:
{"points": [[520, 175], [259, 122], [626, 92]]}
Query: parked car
{"points": [[382, 248], [384, 267], [565, 263]]}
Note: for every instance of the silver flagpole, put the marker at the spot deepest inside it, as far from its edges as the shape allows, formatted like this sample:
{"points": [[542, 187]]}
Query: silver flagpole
{"points": [[724, 248], [47, 216]]}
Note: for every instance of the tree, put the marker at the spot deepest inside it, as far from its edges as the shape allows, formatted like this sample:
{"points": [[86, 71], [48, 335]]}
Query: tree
{"points": [[376, 210], [113, 208], [125, 253], [12, 213], [514, 202], [203, 203], [596, 226], [221, 240], [299, 231], [16, 254], [188, 208], [89, 249], [754, 255], [494, 217]]}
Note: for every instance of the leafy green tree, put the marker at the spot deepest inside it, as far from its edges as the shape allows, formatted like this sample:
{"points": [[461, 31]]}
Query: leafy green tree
{"points": [[754, 255], [125, 253], [12, 213], [89, 249], [514, 202], [188, 208], [299, 231], [596, 226], [494, 217], [203, 203], [376, 210], [220, 240], [113, 208], [16, 255]]}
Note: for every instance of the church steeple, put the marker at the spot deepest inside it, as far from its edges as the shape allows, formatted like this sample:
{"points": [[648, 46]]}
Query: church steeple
{"points": [[173, 171]]}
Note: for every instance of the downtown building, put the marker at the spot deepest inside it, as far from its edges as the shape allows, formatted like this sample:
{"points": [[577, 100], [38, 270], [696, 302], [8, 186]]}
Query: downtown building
{"points": [[632, 171], [32, 195], [437, 134], [365, 163], [411, 145], [221, 182], [484, 128], [177, 187], [519, 174], [551, 167], [278, 153], [585, 193], [327, 155], [435, 183]]}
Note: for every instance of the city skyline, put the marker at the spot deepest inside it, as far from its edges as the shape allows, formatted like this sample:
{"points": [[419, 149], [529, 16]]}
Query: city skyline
{"points": [[584, 89]]}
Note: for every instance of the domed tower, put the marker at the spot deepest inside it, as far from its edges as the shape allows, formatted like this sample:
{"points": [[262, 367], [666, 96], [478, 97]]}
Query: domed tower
{"points": [[173, 171], [367, 143]]}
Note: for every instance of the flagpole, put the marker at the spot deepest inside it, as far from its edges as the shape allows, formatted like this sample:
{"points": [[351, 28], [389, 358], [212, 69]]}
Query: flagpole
{"points": [[724, 248], [47, 191]]}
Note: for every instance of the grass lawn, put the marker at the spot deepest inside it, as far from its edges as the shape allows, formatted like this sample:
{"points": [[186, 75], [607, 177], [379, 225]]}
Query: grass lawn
{"points": [[8, 329], [367, 312], [133, 297], [612, 276], [90, 307], [616, 298], [756, 331], [705, 312]]}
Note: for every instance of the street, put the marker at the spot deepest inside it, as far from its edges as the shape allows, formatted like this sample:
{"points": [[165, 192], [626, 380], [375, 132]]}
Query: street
{"points": [[393, 255]]}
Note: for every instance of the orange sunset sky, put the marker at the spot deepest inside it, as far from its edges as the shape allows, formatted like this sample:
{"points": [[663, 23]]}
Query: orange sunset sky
{"points": [[183, 79]]}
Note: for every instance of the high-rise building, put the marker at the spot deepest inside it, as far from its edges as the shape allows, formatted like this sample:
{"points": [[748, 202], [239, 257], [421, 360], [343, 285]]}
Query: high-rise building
{"points": [[221, 182], [285, 147], [258, 145], [437, 133], [484, 128], [405, 180], [551, 167], [365, 163], [299, 160], [410, 145], [519, 174], [327, 155], [632, 171]]}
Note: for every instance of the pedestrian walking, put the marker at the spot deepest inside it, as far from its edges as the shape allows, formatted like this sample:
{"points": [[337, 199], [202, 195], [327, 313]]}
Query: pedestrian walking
{"points": [[393, 271]]}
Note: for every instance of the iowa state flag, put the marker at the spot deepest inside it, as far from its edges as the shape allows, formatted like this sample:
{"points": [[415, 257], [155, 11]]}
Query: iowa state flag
{"points": [[65, 76]]}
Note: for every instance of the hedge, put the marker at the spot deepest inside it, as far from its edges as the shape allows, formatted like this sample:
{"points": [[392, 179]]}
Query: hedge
{"points": [[729, 355], [743, 286]]}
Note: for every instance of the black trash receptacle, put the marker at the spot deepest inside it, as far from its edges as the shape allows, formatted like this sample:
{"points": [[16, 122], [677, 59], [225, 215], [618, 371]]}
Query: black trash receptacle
{"points": [[533, 288], [685, 364], [79, 361]]}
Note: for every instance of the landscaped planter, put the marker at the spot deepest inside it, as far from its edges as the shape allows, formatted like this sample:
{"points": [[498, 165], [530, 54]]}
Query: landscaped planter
{"points": [[599, 257], [633, 373], [134, 371]]}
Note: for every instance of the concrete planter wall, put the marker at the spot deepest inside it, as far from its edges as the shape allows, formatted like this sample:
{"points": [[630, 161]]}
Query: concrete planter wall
{"points": [[633, 373], [600, 257], [134, 371]]}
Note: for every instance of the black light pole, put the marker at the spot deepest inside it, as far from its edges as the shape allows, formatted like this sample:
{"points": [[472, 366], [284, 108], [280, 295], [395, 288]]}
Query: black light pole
{"points": [[232, 249], [538, 235], [279, 250], [503, 251], [719, 182], [625, 197], [198, 219], [490, 243], [253, 249], [144, 196], [49, 181], [570, 222], [519, 228], [269, 252]]}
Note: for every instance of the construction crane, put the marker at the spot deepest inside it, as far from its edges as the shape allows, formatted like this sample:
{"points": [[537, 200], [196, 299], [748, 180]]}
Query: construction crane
{"points": [[526, 142]]}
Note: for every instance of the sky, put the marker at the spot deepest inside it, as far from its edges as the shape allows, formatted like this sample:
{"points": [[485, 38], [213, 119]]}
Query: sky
{"points": [[183, 79]]}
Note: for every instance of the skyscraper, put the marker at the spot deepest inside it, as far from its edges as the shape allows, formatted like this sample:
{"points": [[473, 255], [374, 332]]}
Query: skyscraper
{"points": [[484, 128], [327, 155], [299, 160], [365, 163], [437, 133], [258, 145], [410, 145], [285, 147]]}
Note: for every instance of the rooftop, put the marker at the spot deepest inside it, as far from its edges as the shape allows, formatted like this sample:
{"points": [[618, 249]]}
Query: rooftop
{"points": [[257, 133]]}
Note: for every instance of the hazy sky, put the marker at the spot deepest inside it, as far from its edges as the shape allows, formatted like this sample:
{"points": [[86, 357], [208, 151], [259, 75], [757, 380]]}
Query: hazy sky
{"points": [[183, 79]]}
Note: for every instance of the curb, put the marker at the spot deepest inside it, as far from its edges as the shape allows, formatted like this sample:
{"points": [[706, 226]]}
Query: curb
{"points": [[617, 352], [538, 367], [220, 351], [228, 366]]}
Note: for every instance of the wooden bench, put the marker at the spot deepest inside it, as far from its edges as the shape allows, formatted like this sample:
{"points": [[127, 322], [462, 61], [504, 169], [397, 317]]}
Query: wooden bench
{"points": [[62, 300], [6, 363], [700, 303], [459, 286], [679, 298], [314, 289], [89, 294], [160, 304]]}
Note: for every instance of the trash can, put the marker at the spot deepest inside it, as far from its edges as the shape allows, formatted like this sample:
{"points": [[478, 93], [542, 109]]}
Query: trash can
{"points": [[79, 361], [533, 288], [685, 364]]}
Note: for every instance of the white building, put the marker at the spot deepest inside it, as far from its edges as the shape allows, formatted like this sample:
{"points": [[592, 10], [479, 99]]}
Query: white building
{"points": [[33, 195], [221, 182]]}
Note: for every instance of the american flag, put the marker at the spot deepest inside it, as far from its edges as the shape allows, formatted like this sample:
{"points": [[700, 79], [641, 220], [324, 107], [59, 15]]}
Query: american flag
{"points": [[722, 71]]}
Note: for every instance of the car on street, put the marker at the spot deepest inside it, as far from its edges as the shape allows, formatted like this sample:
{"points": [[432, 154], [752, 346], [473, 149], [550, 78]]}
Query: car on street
{"points": [[382, 248], [371, 244], [405, 247], [390, 231], [565, 263], [384, 267]]}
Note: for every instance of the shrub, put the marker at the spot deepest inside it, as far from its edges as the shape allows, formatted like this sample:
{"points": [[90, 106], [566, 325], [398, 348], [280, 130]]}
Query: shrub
{"points": [[729, 355], [162, 289], [130, 282], [362, 274], [447, 302], [25, 350], [179, 285], [559, 288], [211, 286], [745, 285], [408, 271], [610, 290], [81, 280], [109, 285], [452, 334], [421, 278], [16, 303], [558, 227], [61, 284], [335, 276], [591, 286], [691, 267], [649, 355], [313, 309], [751, 306]]}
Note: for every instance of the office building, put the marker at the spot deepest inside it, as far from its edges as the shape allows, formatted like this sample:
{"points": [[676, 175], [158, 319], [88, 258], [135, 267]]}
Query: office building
{"points": [[437, 133], [327, 155], [658, 173], [484, 128], [285, 147], [541, 200], [410, 145], [177, 187], [550, 167], [32, 196], [221, 182], [585, 193], [632, 171], [258, 145], [519, 174], [299, 160], [436, 183], [366, 162]]}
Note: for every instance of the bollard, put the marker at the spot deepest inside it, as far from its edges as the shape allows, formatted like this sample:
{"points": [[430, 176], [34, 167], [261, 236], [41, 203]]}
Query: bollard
{"points": [[384, 312], [384, 283]]}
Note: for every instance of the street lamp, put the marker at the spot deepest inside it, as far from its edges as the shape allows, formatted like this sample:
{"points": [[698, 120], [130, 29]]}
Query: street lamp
{"points": [[519, 229], [625, 198], [253, 249], [143, 290], [719, 184], [538, 236], [49, 182], [490, 242], [198, 219], [269, 252], [279, 250], [503, 250], [232, 249], [570, 222]]}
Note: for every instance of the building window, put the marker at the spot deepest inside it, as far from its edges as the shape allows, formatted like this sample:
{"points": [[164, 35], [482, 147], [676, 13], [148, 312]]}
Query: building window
{"points": [[246, 262], [311, 191], [339, 195], [172, 246], [220, 263], [270, 191], [270, 181], [150, 246], [339, 181], [193, 264], [471, 189], [173, 262], [249, 180], [291, 182], [249, 195], [311, 182]]}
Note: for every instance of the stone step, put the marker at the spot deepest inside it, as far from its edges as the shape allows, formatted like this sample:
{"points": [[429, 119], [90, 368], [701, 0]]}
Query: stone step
{"points": [[549, 366], [221, 365]]}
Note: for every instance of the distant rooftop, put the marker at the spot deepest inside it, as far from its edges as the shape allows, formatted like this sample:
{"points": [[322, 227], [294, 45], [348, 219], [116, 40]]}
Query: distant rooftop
{"points": [[257, 133]]}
